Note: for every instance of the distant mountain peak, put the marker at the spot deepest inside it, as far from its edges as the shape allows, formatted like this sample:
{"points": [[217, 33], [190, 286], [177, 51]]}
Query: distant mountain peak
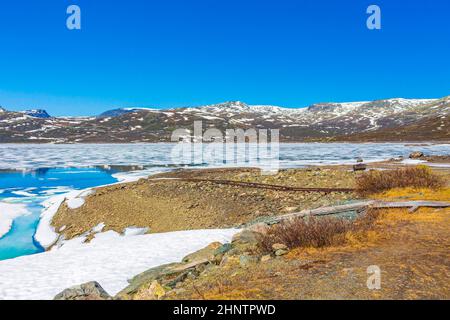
{"points": [[37, 113], [327, 106], [228, 104], [121, 111], [2, 109], [114, 113]]}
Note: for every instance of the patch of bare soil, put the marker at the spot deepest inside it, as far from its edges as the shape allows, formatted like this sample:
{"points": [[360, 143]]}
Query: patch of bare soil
{"points": [[170, 205]]}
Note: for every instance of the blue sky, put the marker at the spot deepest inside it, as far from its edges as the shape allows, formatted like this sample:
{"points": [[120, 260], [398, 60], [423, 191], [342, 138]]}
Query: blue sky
{"points": [[180, 52]]}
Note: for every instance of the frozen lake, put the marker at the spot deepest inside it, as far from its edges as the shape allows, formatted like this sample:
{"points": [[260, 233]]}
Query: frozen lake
{"points": [[28, 156], [21, 195], [31, 174]]}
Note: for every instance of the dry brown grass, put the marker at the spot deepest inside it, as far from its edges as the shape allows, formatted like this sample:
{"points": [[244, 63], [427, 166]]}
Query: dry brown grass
{"points": [[315, 232], [442, 194], [416, 177]]}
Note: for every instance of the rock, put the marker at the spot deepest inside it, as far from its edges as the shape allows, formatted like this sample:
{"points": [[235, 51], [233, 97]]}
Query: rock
{"points": [[359, 167], [167, 275], [246, 260], [416, 155], [87, 291], [223, 249], [259, 227], [179, 291], [246, 241], [147, 277], [266, 258], [217, 259], [205, 253], [178, 280], [225, 260], [246, 236], [279, 246], [290, 209], [281, 252], [192, 275], [200, 267], [156, 290], [191, 265]]}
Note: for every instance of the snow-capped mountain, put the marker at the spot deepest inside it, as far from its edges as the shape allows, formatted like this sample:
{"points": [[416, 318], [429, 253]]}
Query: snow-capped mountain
{"points": [[37, 113], [121, 111], [115, 113], [404, 119]]}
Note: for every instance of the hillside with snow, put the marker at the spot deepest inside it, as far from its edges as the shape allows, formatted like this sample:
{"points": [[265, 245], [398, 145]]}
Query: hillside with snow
{"points": [[382, 120]]}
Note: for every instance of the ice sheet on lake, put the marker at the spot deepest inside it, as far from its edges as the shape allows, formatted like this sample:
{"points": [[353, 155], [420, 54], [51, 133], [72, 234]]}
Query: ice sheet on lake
{"points": [[159, 154], [110, 259], [23, 193]]}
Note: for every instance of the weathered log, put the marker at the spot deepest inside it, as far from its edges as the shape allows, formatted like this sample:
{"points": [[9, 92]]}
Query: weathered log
{"points": [[363, 205], [359, 167], [328, 210], [411, 204]]}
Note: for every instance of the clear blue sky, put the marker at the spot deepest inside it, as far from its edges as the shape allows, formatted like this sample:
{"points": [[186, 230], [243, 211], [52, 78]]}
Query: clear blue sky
{"points": [[190, 52]]}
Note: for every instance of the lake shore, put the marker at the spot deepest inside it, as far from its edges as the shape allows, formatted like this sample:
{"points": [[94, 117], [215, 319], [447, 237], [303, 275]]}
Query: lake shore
{"points": [[170, 202], [163, 203]]}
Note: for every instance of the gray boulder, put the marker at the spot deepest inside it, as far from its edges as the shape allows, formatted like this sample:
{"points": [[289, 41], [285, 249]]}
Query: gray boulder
{"points": [[416, 155], [87, 291]]}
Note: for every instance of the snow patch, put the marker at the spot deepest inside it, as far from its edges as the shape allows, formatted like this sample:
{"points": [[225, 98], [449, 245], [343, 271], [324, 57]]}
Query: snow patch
{"points": [[413, 161], [135, 231], [98, 228], [109, 258], [75, 203]]}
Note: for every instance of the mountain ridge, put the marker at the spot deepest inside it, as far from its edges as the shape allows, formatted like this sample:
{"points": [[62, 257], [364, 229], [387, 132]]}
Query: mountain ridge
{"points": [[329, 121]]}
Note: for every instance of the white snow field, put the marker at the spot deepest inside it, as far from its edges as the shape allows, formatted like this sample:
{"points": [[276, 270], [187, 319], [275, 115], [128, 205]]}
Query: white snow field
{"points": [[109, 259]]}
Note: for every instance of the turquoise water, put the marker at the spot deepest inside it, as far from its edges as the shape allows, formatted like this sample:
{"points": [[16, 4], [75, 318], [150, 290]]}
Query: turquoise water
{"points": [[31, 189]]}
